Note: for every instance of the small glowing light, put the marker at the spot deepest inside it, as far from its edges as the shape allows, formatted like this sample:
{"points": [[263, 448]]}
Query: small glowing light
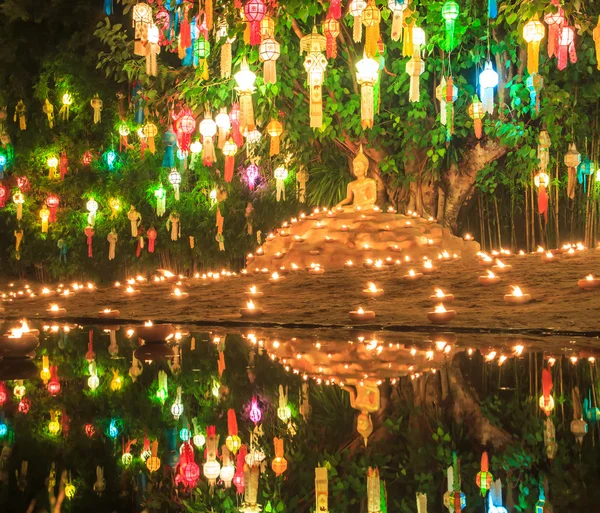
{"points": [[518, 350], [551, 361], [360, 310], [490, 356], [516, 291], [573, 360], [439, 308], [250, 305], [411, 272], [490, 274]]}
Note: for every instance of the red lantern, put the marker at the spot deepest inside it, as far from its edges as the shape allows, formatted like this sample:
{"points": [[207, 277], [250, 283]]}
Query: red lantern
{"points": [[24, 406], [3, 394], [52, 202], [3, 195], [234, 117], [185, 126], [87, 158], [53, 385], [23, 183], [255, 11], [331, 29], [555, 22], [90, 431]]}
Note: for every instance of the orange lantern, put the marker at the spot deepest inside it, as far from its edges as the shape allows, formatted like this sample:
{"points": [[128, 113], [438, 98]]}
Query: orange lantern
{"points": [[477, 113], [371, 17], [533, 33], [153, 462], [279, 463], [274, 129]]}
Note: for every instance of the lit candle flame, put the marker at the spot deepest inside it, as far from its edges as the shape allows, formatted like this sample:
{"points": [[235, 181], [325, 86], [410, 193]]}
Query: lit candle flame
{"points": [[294, 266], [490, 274], [45, 290], [490, 356], [360, 311], [349, 262], [439, 308], [516, 291], [253, 289], [106, 310], [275, 276], [411, 272], [54, 308], [428, 264], [589, 277], [25, 326], [518, 349], [439, 293], [177, 292], [372, 287], [129, 289], [250, 305], [378, 263], [499, 263], [549, 254], [540, 249], [148, 324]]}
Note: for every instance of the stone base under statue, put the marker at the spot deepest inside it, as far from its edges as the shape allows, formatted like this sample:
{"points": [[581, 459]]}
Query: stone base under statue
{"points": [[331, 239]]}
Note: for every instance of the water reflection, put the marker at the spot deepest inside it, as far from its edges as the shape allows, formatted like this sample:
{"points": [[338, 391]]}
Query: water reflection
{"points": [[125, 417]]}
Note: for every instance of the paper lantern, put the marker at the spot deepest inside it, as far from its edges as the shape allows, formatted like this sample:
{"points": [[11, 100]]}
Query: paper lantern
{"points": [[546, 401], [367, 74], [418, 39], [232, 441], [161, 201], [92, 208], [255, 412], [87, 158], [356, 9], [283, 411], [152, 50], [484, 477], [315, 64], [52, 167], [533, 33], [572, 160], [53, 385], [371, 17], [153, 462], [566, 47], [45, 372], [397, 7], [3, 426], [229, 151], [488, 79], [415, 67], [185, 126], [252, 173], [267, 27], [476, 112], [322, 489], [245, 79], [169, 140], [331, 29], [25, 405], [255, 11], [54, 424], [274, 129], [90, 431], [208, 129], [150, 131], [534, 84], [3, 195], [596, 34], [18, 199], [211, 467], [269, 51], [373, 490], [23, 183], [202, 51], [227, 473], [279, 463], [225, 64], [175, 180], [234, 117], [111, 159], [96, 104], [224, 125], [280, 174], [93, 380], [177, 407], [196, 148], [116, 382], [67, 101], [555, 22], [52, 202], [3, 394], [450, 11]]}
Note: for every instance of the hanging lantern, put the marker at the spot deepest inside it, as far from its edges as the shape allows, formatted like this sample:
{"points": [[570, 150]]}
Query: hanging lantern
{"points": [[280, 174], [356, 10], [224, 125], [111, 159], [373, 490], [52, 167], [541, 181], [550, 439], [175, 180], [93, 380], [283, 410], [116, 382], [45, 372], [225, 49], [96, 104], [274, 129], [177, 407], [233, 441], [202, 51], [142, 19], [44, 216], [586, 168], [566, 46], [227, 470], [331, 29], [492, 9], [477, 113], [54, 424], [87, 158], [484, 477], [3, 195], [92, 208], [229, 150], [447, 93], [255, 413], [245, 79], [53, 385], [279, 463], [546, 400], [211, 466], [23, 183], [185, 126], [269, 51], [234, 117], [150, 131], [534, 84], [255, 11], [371, 17], [67, 100], [450, 12], [488, 79], [161, 201], [252, 173], [418, 39], [397, 7], [315, 64], [572, 161], [52, 201], [555, 22], [415, 67], [533, 33], [114, 205], [208, 129], [18, 199], [152, 50], [367, 74], [153, 461], [596, 34], [267, 27]]}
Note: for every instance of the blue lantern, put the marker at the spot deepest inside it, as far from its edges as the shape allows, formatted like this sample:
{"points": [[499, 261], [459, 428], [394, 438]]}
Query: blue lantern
{"points": [[113, 429]]}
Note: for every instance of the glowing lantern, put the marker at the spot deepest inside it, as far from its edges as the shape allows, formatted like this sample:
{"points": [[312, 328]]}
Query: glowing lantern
{"points": [[3, 195], [19, 390], [87, 158], [177, 407], [356, 10], [546, 400], [67, 100], [233, 441], [153, 462], [283, 411], [25, 405], [92, 208], [44, 216], [373, 490], [53, 385], [3, 394], [169, 140], [315, 64], [162, 389], [52, 202], [225, 49], [534, 84], [572, 161], [224, 125], [484, 477], [597, 42], [198, 437], [184, 434], [111, 158], [229, 150], [23, 183], [93, 381], [116, 382], [114, 205], [150, 131], [175, 180], [331, 29], [90, 431], [397, 7], [3, 426], [202, 51], [371, 17], [142, 19], [227, 470], [96, 104], [211, 466], [185, 126], [252, 173], [415, 67], [269, 51], [45, 374], [161, 201], [255, 413], [279, 463], [245, 79], [367, 74], [555, 22], [267, 27], [533, 33], [208, 129], [477, 113], [274, 129], [280, 174], [566, 45], [18, 200], [54, 424], [255, 11], [113, 429], [52, 167], [488, 79], [450, 12]]}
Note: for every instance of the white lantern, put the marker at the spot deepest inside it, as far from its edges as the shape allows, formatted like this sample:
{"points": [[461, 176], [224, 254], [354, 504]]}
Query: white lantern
{"points": [[245, 79], [367, 74]]}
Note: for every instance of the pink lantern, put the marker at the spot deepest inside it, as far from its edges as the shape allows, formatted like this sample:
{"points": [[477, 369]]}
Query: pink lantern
{"points": [[3, 195], [566, 45], [52, 201], [255, 11], [23, 183], [555, 22], [252, 174], [185, 126], [255, 413]]}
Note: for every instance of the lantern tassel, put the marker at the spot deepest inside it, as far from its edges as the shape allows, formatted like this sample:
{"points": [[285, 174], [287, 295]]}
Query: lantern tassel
{"points": [[270, 72], [357, 29], [533, 51], [274, 148], [367, 106], [316, 105], [572, 174], [397, 22], [335, 9], [492, 9], [478, 128], [331, 47], [229, 165], [407, 40], [246, 112], [487, 98], [208, 14], [553, 35], [372, 37], [255, 37], [226, 60], [562, 57], [208, 151], [543, 202]]}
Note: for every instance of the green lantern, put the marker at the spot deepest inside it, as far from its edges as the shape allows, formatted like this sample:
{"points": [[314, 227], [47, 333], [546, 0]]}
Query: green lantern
{"points": [[450, 11], [201, 53]]}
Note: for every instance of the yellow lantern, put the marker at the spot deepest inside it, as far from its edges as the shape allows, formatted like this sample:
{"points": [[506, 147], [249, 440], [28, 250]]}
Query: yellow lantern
{"points": [[52, 167], [245, 79], [115, 206], [415, 67], [44, 216], [533, 33], [371, 17], [597, 42], [45, 372], [367, 74], [54, 424], [116, 382], [67, 100], [150, 131], [267, 27], [274, 129], [541, 179], [153, 462], [477, 112], [233, 443]]}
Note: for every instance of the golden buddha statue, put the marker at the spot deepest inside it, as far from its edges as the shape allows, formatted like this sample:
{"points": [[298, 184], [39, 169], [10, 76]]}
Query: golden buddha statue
{"points": [[361, 192]]}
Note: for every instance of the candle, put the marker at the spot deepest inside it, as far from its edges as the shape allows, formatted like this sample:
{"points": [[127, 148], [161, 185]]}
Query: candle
{"points": [[108, 313], [444, 255], [372, 290], [56, 311], [244, 273], [501, 267], [315, 251], [344, 228], [251, 310], [294, 267], [283, 233], [283, 270], [589, 283], [276, 278], [486, 260], [549, 257], [570, 253], [489, 279], [319, 224], [468, 236], [441, 297], [179, 294], [250, 257], [391, 210], [348, 264], [46, 292], [378, 265], [264, 270], [254, 292], [279, 255], [368, 263], [316, 269], [328, 239], [517, 296], [130, 291], [440, 315], [366, 247], [412, 276], [361, 315], [394, 248], [389, 261], [428, 267]]}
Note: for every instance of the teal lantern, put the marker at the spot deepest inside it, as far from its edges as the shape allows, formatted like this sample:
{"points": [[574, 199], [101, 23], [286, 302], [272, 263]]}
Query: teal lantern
{"points": [[110, 158], [3, 428], [534, 83], [450, 12], [586, 168], [184, 434], [113, 429]]}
